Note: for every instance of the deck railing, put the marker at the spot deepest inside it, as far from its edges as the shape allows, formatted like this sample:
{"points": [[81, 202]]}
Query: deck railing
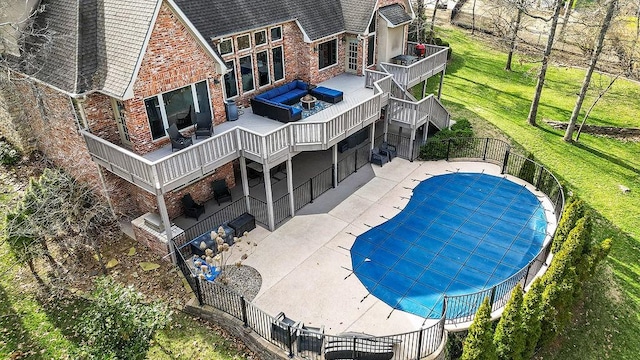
{"points": [[409, 75]]}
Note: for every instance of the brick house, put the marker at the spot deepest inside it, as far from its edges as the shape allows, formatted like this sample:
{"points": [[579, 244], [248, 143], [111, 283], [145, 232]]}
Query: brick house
{"points": [[114, 75]]}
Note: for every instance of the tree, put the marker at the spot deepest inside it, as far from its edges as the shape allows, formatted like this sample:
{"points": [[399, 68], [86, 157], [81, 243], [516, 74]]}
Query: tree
{"points": [[478, 345], [509, 336], [57, 209], [514, 35], [118, 324], [531, 314], [606, 23], [572, 213], [533, 111]]}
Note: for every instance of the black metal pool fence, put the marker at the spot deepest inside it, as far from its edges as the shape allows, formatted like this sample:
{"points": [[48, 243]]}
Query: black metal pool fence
{"points": [[312, 343]]}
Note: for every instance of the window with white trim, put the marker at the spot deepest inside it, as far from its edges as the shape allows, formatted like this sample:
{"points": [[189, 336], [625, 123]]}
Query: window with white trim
{"points": [[177, 107], [263, 68], [278, 63], [230, 80], [244, 42], [276, 33], [226, 46], [260, 37], [327, 53], [246, 73]]}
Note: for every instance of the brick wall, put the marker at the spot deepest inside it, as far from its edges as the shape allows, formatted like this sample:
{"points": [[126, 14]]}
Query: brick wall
{"points": [[173, 59]]}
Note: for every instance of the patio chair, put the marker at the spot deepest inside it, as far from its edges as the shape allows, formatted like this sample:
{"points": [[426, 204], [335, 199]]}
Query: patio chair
{"points": [[379, 158], [311, 339], [283, 329], [389, 149], [220, 191], [204, 125], [191, 208], [178, 141]]}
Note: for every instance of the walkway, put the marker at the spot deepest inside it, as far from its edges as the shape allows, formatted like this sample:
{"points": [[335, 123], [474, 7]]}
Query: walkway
{"points": [[305, 264]]}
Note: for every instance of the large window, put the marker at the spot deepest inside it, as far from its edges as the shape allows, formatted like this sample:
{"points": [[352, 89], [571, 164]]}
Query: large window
{"points": [[327, 53], [276, 33], [263, 68], [278, 63], [260, 37], [246, 72], [177, 107], [371, 49], [230, 81]]}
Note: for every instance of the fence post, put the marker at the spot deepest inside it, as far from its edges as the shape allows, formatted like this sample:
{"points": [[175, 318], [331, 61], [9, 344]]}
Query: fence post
{"points": [[333, 176], [354, 349], [289, 342], [539, 177], [355, 161], [311, 189], [243, 302], [486, 147], [492, 297], [505, 162], [419, 355], [526, 275], [448, 148], [198, 290]]}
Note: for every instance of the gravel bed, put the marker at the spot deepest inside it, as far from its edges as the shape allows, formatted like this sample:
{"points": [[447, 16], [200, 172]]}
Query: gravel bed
{"points": [[243, 279]]}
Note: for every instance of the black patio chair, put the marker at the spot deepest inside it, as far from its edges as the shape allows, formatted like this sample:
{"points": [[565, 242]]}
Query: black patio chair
{"points": [[311, 339], [191, 208], [204, 125], [391, 150], [379, 158], [178, 141], [220, 191], [283, 329]]}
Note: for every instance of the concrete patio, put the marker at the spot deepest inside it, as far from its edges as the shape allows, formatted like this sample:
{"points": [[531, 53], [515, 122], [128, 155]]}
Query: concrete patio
{"points": [[306, 266]]}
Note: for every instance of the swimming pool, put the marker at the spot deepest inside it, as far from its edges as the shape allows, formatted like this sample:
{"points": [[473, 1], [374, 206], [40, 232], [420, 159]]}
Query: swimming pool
{"points": [[460, 233]]}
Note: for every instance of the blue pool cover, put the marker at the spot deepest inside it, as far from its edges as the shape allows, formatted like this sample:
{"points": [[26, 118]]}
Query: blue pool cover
{"points": [[459, 234]]}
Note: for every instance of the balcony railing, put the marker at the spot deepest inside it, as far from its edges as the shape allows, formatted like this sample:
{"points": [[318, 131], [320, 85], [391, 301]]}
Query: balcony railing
{"points": [[410, 75], [198, 160]]}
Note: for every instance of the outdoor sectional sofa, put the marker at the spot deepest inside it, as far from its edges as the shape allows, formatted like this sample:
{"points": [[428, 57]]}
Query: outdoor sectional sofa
{"points": [[276, 103]]}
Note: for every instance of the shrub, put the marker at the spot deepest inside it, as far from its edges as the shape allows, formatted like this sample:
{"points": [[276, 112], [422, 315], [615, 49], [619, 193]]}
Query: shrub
{"points": [[528, 170], [8, 154], [437, 145], [531, 313], [574, 211], [118, 324], [509, 335], [478, 345]]}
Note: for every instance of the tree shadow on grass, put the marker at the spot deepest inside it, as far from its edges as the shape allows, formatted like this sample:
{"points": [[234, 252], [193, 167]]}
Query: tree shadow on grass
{"points": [[16, 339], [612, 159], [65, 314]]}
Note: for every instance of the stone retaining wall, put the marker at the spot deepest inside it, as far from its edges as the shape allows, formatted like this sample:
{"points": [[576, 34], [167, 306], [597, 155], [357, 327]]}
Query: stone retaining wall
{"points": [[612, 131]]}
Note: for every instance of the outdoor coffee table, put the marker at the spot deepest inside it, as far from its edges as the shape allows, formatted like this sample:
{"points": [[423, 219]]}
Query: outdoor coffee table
{"points": [[308, 102]]}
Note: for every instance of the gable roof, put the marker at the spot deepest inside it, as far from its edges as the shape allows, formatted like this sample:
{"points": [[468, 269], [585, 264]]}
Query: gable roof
{"points": [[357, 14], [395, 15], [215, 18]]}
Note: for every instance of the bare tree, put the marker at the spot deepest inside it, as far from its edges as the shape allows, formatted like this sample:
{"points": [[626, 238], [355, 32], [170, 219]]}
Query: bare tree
{"points": [[568, 8], [533, 111], [595, 102], [515, 28], [606, 23]]}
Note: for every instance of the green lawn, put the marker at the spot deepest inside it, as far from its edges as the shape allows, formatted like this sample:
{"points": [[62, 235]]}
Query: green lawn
{"points": [[476, 87]]}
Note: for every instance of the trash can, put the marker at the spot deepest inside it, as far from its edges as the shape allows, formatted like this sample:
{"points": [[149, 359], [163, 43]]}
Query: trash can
{"points": [[232, 110]]}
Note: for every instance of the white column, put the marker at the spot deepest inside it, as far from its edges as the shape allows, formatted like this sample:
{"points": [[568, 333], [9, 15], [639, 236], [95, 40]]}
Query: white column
{"points": [[164, 215], [372, 133], [268, 192], [441, 81], [424, 88], [386, 124], [245, 182], [292, 200], [411, 145]]}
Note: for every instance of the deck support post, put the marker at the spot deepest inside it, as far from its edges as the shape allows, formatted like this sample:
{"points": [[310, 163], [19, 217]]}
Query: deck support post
{"points": [[164, 215], [245, 182], [372, 134], [269, 194], [411, 144], [441, 81], [386, 124]]}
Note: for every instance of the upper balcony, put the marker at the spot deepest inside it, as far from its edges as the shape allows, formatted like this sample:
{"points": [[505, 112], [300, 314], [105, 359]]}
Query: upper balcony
{"points": [[409, 75], [270, 142]]}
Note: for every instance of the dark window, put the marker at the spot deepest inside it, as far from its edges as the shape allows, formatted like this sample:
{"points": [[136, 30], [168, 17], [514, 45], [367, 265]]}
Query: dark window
{"points": [[278, 63], [263, 68], [230, 82], [371, 49], [260, 37], [203, 99], [177, 105], [372, 25], [276, 33], [327, 53], [246, 72], [155, 118], [244, 42]]}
